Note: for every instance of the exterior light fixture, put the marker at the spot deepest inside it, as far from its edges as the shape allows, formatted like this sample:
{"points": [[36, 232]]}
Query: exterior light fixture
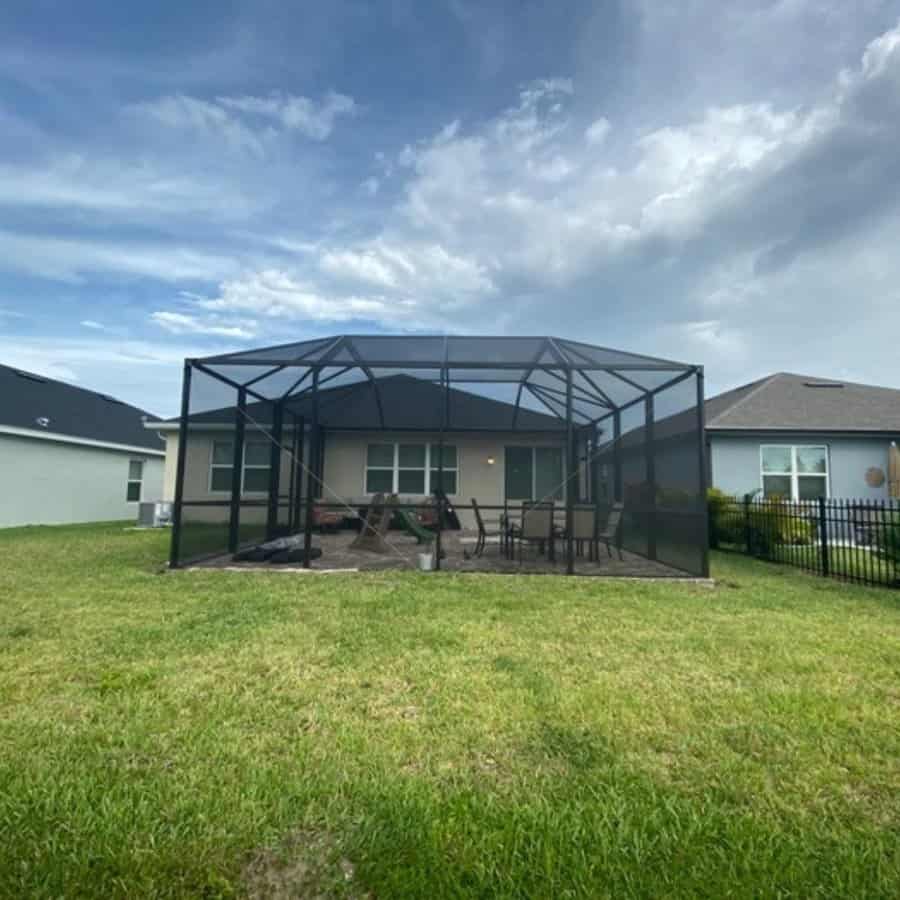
{"points": [[490, 460]]}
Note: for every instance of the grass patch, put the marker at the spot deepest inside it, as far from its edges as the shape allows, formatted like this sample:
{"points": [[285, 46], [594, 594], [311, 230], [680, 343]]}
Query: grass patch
{"points": [[401, 735]]}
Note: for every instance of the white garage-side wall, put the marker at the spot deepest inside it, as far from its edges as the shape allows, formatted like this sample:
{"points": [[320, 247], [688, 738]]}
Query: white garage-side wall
{"points": [[45, 482]]}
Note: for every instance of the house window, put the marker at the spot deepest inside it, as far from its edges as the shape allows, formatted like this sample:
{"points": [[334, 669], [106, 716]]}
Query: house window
{"points": [[534, 473], [256, 467], [794, 472], [400, 468], [135, 480]]}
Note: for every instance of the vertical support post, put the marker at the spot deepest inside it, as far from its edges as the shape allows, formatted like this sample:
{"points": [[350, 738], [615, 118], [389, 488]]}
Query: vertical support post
{"points": [[617, 457], [237, 473], [300, 430], [823, 537], [175, 549], [275, 469], [445, 377], [703, 483], [292, 481], [571, 477], [650, 461], [312, 478]]}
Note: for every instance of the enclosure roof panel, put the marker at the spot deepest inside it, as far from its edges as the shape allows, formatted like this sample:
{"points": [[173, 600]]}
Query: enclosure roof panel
{"points": [[472, 352]]}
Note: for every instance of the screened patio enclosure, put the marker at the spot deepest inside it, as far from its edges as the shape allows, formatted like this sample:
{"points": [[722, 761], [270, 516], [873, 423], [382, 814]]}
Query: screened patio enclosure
{"points": [[275, 441]]}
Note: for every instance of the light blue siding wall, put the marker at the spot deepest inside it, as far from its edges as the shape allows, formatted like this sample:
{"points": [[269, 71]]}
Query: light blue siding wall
{"points": [[735, 463], [46, 482]]}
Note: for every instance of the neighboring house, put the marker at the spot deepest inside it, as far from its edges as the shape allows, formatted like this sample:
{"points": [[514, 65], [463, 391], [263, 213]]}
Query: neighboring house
{"points": [[72, 455], [802, 437], [483, 456]]}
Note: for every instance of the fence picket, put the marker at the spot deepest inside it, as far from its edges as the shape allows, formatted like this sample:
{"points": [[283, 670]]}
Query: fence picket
{"points": [[840, 538]]}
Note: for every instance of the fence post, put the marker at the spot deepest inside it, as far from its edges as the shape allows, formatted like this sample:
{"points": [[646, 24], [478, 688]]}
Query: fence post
{"points": [[823, 536], [747, 524]]}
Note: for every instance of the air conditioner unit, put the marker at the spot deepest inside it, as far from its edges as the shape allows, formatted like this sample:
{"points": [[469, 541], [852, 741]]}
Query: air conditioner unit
{"points": [[155, 514]]}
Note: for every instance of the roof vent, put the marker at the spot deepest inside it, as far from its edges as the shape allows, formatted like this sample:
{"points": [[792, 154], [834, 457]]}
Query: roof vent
{"points": [[43, 421], [30, 377], [822, 384]]}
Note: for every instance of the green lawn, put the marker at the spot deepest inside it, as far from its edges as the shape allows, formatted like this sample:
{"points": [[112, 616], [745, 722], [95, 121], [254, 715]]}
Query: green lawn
{"points": [[421, 735]]}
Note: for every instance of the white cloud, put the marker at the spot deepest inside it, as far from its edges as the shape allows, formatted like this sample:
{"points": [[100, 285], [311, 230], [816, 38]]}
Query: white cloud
{"points": [[314, 120], [595, 134], [94, 326], [366, 266], [182, 112], [279, 294], [249, 123], [126, 188], [71, 259], [180, 323]]}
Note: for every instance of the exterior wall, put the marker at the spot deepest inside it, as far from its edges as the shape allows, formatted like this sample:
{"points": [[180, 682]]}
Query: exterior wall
{"points": [[735, 463], [197, 477], [345, 464], [52, 483], [345, 468]]}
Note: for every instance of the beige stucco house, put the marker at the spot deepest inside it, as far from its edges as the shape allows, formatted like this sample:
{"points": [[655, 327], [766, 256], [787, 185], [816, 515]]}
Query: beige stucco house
{"points": [[494, 465]]}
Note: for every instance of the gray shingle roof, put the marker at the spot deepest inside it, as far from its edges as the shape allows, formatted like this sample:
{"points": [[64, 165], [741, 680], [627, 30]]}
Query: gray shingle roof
{"points": [[786, 401], [37, 403], [408, 403]]}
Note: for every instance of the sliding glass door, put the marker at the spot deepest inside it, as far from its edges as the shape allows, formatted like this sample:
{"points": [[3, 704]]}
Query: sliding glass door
{"points": [[534, 473]]}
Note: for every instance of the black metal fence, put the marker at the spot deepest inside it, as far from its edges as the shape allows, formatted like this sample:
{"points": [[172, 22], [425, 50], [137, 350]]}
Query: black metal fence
{"points": [[851, 540]]}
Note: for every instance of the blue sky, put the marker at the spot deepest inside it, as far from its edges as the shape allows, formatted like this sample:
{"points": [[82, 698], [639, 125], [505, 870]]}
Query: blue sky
{"points": [[718, 183]]}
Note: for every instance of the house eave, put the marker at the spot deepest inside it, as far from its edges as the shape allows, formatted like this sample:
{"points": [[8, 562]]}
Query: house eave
{"points": [[832, 433], [59, 438]]}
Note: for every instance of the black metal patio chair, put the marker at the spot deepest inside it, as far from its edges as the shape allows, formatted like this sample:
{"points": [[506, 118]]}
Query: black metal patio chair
{"points": [[488, 528]]}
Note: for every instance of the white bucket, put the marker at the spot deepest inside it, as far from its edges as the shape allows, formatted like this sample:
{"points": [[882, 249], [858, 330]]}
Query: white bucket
{"points": [[426, 562]]}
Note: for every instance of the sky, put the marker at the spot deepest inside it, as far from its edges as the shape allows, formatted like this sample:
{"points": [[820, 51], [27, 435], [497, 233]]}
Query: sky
{"points": [[717, 183]]}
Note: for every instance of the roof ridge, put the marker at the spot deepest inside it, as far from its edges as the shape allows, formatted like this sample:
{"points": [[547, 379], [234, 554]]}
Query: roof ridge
{"points": [[762, 383]]}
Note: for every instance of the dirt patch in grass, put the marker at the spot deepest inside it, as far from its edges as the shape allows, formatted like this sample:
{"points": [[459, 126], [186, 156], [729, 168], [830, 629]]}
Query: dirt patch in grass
{"points": [[307, 865]]}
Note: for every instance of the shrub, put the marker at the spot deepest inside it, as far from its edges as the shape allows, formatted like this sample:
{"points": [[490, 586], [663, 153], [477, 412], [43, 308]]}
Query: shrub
{"points": [[790, 522], [888, 543], [758, 525], [717, 503]]}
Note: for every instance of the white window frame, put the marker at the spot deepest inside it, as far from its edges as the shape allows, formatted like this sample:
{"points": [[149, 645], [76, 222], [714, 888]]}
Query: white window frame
{"points": [[534, 448], [396, 468], [228, 465], [138, 481], [794, 474]]}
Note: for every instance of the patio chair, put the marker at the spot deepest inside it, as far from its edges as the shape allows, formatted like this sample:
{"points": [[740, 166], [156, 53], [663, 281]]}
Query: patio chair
{"points": [[610, 533], [584, 529], [536, 528], [497, 529]]}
